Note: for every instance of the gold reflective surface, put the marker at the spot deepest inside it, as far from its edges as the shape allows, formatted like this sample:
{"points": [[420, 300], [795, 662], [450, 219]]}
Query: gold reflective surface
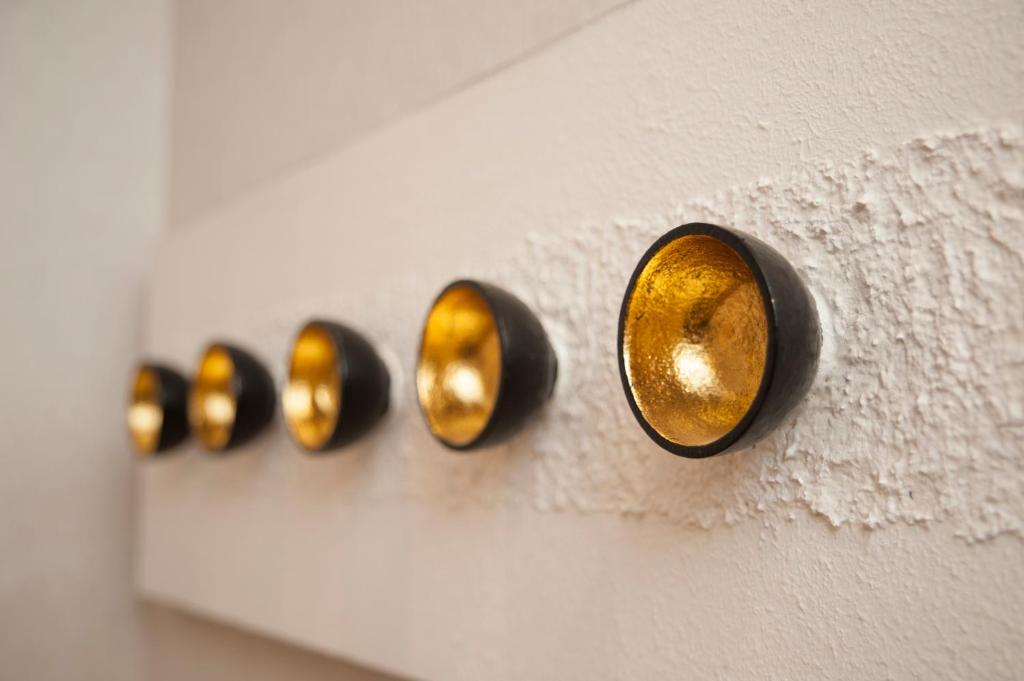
{"points": [[459, 366], [145, 413], [212, 402], [695, 340], [312, 396]]}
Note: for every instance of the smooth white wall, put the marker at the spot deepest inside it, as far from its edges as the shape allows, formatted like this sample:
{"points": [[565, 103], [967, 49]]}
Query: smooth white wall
{"points": [[82, 119], [262, 86]]}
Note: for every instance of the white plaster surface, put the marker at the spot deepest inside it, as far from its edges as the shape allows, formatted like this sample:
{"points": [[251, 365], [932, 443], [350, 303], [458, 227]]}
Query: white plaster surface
{"points": [[877, 534], [915, 419]]}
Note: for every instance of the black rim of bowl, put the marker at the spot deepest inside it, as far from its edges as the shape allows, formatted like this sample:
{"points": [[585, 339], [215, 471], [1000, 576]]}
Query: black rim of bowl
{"points": [[792, 322], [364, 385], [173, 402], [253, 390], [528, 366]]}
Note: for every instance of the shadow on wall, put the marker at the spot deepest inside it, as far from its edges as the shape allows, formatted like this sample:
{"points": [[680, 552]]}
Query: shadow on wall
{"points": [[221, 653]]}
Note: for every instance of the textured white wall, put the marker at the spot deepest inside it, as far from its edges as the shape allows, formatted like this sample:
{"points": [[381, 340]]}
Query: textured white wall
{"points": [[877, 534]]}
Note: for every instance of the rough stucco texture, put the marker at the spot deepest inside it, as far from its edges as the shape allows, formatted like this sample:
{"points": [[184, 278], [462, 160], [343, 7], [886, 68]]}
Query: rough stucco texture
{"points": [[915, 258], [916, 416]]}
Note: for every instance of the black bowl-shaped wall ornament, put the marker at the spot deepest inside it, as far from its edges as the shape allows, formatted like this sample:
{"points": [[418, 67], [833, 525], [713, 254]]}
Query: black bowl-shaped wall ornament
{"points": [[157, 418], [718, 340], [337, 387], [231, 399], [485, 366]]}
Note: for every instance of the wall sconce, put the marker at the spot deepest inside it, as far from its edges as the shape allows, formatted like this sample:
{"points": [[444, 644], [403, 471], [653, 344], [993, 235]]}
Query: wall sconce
{"points": [[156, 409], [231, 399], [718, 340], [337, 387], [485, 365]]}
